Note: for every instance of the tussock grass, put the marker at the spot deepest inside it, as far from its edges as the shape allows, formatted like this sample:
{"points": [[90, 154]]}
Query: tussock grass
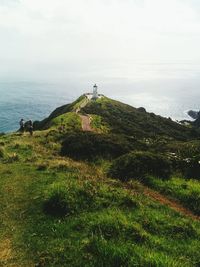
{"points": [[56, 211], [184, 190]]}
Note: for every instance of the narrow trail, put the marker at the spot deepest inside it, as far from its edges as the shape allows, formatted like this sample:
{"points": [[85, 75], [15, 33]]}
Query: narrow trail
{"points": [[85, 119], [86, 123], [172, 204], [168, 202]]}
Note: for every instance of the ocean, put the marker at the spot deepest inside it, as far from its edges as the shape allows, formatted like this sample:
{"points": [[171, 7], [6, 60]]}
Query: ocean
{"points": [[35, 101]]}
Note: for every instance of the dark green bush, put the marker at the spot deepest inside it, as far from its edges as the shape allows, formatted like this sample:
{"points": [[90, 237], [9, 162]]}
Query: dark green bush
{"points": [[192, 201], [192, 169], [87, 145], [137, 165]]}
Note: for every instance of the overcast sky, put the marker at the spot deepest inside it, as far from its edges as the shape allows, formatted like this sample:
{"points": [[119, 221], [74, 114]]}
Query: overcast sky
{"points": [[84, 40]]}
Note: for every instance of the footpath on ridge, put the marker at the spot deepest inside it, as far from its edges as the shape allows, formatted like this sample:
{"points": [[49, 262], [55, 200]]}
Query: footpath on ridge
{"points": [[85, 119], [86, 123]]}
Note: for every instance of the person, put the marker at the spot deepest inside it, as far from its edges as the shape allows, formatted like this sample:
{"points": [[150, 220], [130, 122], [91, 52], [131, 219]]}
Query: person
{"points": [[22, 125], [30, 127]]}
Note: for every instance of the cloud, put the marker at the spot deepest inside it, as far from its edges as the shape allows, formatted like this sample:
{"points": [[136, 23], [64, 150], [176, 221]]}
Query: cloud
{"points": [[9, 2], [109, 37]]}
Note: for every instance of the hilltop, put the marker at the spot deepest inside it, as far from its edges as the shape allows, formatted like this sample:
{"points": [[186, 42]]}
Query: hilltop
{"points": [[120, 118], [122, 192]]}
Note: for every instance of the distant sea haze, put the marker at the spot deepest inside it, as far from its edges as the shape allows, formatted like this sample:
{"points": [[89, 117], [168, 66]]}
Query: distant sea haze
{"points": [[36, 101]]}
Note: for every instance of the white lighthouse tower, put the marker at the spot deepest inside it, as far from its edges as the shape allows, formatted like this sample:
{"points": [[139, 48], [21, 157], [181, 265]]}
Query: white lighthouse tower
{"points": [[95, 92]]}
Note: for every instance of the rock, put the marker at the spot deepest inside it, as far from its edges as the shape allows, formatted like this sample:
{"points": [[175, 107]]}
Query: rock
{"points": [[141, 109], [194, 114]]}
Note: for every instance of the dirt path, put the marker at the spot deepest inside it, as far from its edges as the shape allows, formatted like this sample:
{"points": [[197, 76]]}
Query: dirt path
{"points": [[86, 123], [170, 203]]}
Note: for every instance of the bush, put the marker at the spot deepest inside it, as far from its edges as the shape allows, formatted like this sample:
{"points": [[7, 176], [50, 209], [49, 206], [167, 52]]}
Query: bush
{"points": [[193, 168], [137, 165], [87, 145], [192, 201]]}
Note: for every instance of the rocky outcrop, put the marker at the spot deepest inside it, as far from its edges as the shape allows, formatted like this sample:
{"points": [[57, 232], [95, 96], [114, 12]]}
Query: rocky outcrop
{"points": [[194, 114]]}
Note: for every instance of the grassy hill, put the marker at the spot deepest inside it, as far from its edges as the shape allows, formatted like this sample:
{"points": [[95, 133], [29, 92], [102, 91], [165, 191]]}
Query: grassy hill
{"points": [[61, 205], [118, 118], [127, 120]]}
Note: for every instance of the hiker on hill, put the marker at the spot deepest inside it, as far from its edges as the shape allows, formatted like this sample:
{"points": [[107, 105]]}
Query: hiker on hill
{"points": [[30, 127], [22, 125]]}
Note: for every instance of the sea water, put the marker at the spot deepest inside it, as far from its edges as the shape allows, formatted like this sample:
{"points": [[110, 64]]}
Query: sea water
{"points": [[30, 101], [35, 101]]}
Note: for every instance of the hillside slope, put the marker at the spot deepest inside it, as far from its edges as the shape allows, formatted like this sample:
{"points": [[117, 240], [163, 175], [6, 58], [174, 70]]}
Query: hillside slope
{"points": [[60, 212], [46, 123], [61, 205], [119, 118], [127, 120]]}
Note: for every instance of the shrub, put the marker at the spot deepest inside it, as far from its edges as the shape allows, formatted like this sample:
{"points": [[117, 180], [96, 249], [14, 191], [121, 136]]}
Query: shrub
{"points": [[87, 145], [193, 168], [193, 201], [138, 165]]}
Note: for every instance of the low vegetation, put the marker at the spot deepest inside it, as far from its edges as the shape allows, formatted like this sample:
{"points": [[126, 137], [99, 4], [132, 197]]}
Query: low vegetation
{"points": [[187, 191], [89, 145], [126, 120], [138, 165], [61, 207]]}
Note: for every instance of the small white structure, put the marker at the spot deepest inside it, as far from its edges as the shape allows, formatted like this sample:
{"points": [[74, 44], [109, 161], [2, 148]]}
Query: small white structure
{"points": [[95, 92], [94, 95]]}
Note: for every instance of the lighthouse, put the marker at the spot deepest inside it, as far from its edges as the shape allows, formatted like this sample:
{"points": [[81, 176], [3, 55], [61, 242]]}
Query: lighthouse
{"points": [[95, 92]]}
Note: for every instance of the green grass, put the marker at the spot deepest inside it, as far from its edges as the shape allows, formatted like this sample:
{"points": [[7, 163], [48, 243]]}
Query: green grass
{"points": [[98, 124], [70, 120], [184, 190], [105, 224], [56, 211], [126, 120]]}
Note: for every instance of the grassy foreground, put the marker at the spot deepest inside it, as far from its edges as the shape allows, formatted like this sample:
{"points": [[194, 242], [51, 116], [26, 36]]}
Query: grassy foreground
{"points": [[105, 224]]}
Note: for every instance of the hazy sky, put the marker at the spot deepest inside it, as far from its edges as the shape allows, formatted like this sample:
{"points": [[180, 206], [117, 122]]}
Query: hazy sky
{"points": [[69, 38], [143, 52], [99, 40]]}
